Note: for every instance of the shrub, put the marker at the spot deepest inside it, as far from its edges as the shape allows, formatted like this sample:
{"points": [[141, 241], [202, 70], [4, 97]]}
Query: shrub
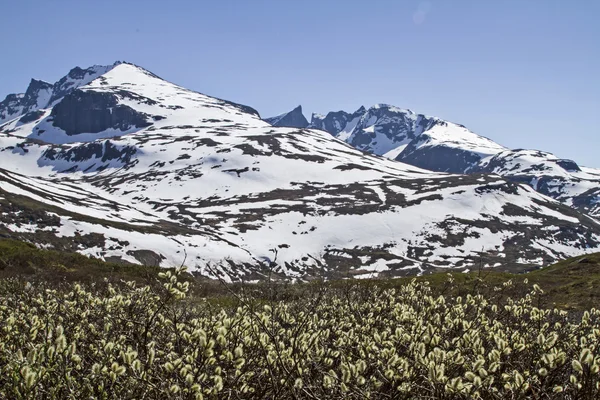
{"points": [[130, 342]]}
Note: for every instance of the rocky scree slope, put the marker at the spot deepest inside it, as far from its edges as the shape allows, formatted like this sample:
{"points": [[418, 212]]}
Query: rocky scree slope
{"points": [[172, 176]]}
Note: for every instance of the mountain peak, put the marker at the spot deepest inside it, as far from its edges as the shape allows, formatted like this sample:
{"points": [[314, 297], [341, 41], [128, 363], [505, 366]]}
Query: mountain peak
{"points": [[292, 119], [392, 108], [41, 94], [78, 77], [78, 73], [35, 83]]}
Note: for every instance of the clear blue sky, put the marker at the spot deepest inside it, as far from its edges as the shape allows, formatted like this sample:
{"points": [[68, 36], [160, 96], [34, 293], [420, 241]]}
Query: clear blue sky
{"points": [[522, 72]]}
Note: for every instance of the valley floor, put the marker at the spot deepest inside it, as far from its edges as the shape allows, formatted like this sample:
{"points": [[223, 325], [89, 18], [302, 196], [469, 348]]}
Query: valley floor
{"points": [[571, 284]]}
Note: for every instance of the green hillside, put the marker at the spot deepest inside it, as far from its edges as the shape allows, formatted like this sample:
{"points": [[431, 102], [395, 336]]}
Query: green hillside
{"points": [[570, 284]]}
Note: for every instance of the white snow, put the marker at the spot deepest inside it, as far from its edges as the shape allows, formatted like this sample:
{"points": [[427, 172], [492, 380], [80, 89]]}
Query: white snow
{"points": [[277, 181], [395, 152], [456, 136]]}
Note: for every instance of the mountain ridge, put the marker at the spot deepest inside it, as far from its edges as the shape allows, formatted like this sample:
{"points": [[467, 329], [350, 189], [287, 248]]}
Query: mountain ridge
{"points": [[207, 182], [41, 94], [438, 145], [292, 119]]}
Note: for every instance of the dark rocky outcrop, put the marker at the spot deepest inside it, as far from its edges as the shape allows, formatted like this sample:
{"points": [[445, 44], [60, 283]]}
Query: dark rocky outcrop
{"points": [[93, 112], [10, 106], [568, 165], [439, 158], [334, 121], [147, 257], [77, 77], [292, 119], [396, 124], [104, 151], [31, 116], [40, 94], [242, 108], [37, 95]]}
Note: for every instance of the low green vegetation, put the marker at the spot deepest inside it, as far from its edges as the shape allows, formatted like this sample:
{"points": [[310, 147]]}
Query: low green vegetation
{"points": [[166, 335], [20, 259], [572, 284]]}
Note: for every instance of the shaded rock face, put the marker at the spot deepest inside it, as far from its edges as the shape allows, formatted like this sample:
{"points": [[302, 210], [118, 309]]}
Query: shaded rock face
{"points": [[334, 121], [241, 107], [439, 158], [292, 119], [397, 127], [37, 95], [93, 112], [75, 78], [31, 116], [61, 87], [588, 202], [568, 165], [147, 257], [103, 151], [40, 94], [10, 106]]}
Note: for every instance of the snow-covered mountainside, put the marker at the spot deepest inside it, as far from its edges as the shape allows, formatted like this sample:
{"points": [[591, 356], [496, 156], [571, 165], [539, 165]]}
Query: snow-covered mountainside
{"points": [[437, 145], [561, 179], [130, 167], [402, 135]]}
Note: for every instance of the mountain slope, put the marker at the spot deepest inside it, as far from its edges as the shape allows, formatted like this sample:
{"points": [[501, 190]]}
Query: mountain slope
{"points": [[437, 145], [561, 179], [400, 134], [178, 176], [448, 147], [292, 119]]}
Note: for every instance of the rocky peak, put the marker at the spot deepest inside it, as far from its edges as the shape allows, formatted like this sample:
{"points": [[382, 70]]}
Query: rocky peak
{"points": [[78, 77], [401, 134], [383, 128], [36, 85], [335, 121], [11, 107], [292, 119], [37, 95], [568, 165], [41, 94]]}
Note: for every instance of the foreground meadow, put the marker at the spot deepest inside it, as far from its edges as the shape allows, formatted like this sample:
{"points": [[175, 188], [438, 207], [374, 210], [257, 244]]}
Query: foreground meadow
{"points": [[314, 341]]}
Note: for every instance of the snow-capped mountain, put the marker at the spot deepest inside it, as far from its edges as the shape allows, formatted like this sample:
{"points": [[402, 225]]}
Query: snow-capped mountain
{"points": [[40, 94], [130, 167], [402, 135], [437, 145]]}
